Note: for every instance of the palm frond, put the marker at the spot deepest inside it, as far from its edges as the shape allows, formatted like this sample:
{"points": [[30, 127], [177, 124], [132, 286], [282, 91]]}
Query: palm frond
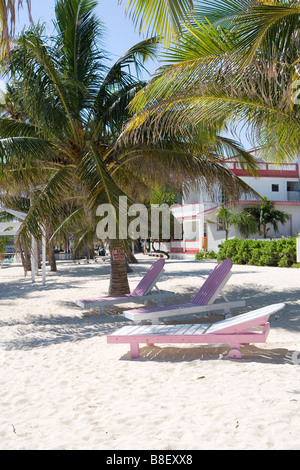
{"points": [[42, 77], [159, 18], [267, 27], [45, 200], [77, 42]]}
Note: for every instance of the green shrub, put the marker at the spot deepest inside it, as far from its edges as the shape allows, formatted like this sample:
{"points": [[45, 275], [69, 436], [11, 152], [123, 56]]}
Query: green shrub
{"points": [[295, 265], [205, 255], [280, 253]]}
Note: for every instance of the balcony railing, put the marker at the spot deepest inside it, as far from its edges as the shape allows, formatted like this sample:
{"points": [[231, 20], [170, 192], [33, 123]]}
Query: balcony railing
{"points": [[289, 170], [293, 196]]}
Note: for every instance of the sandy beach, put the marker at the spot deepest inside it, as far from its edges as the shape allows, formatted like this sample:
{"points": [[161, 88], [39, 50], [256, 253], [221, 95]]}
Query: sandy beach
{"points": [[63, 387]]}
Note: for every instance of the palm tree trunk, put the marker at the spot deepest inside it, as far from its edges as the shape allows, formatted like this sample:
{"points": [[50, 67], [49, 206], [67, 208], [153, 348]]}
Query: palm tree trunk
{"points": [[265, 231], [118, 272], [131, 258], [50, 251], [51, 256], [25, 258]]}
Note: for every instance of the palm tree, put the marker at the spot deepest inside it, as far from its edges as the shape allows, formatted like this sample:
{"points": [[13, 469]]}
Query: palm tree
{"points": [[68, 108], [246, 223], [244, 220], [226, 217], [266, 214], [212, 77], [60, 141]]}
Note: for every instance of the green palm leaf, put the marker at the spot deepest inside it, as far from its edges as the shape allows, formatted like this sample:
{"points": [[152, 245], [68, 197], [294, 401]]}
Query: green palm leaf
{"points": [[162, 18]]}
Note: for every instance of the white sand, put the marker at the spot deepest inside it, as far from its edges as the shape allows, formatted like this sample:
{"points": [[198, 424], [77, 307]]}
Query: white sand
{"points": [[64, 387]]}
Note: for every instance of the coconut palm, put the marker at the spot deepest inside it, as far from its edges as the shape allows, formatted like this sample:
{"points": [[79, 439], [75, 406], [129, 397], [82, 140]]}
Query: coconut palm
{"points": [[67, 109], [212, 78]]}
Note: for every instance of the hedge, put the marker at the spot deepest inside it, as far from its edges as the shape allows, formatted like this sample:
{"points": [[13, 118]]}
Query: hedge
{"points": [[282, 253], [205, 255]]}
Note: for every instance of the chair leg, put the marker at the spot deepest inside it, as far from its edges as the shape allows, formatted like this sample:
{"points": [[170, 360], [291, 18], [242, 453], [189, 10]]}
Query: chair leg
{"points": [[135, 350], [227, 315], [235, 352]]}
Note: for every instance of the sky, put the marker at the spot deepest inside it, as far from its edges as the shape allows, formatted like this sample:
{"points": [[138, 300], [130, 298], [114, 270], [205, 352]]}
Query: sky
{"points": [[120, 32]]}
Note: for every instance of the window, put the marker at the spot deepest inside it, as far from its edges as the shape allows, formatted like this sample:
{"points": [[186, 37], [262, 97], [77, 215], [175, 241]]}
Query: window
{"points": [[275, 188]]}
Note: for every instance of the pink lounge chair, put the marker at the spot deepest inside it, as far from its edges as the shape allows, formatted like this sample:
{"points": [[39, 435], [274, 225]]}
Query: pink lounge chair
{"points": [[233, 331], [204, 300], [142, 292]]}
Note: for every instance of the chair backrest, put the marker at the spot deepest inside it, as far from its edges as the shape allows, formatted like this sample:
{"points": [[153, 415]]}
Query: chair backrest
{"points": [[150, 278], [244, 321], [214, 283]]}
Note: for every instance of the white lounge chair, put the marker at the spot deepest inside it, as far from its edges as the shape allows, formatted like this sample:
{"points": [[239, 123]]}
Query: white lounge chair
{"points": [[234, 331], [141, 294], [203, 302]]}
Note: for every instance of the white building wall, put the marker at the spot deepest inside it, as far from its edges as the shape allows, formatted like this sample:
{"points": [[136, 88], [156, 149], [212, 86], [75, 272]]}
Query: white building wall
{"points": [[283, 190], [290, 229], [265, 187], [192, 197]]}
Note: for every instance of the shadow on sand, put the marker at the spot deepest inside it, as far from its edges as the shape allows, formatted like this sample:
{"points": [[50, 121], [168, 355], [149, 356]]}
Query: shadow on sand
{"points": [[250, 353]]}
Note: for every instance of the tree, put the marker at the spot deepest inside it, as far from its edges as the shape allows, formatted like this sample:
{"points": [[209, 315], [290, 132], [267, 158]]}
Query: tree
{"points": [[252, 219], [61, 139], [266, 214], [246, 223], [234, 68], [228, 217], [68, 108]]}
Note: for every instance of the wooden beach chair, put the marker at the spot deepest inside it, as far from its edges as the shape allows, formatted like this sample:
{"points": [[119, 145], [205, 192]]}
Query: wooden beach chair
{"points": [[203, 302], [233, 331], [141, 294]]}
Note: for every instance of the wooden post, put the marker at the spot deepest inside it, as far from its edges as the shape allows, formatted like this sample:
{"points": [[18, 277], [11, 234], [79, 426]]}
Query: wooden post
{"points": [[44, 256], [34, 261]]}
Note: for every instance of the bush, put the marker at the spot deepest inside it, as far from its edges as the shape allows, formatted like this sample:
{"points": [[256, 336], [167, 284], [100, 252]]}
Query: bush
{"points": [[280, 253], [206, 255]]}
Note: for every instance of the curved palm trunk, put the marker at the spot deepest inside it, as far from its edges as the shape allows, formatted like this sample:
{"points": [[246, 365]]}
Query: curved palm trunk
{"points": [[25, 257], [118, 272], [50, 251], [265, 230]]}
